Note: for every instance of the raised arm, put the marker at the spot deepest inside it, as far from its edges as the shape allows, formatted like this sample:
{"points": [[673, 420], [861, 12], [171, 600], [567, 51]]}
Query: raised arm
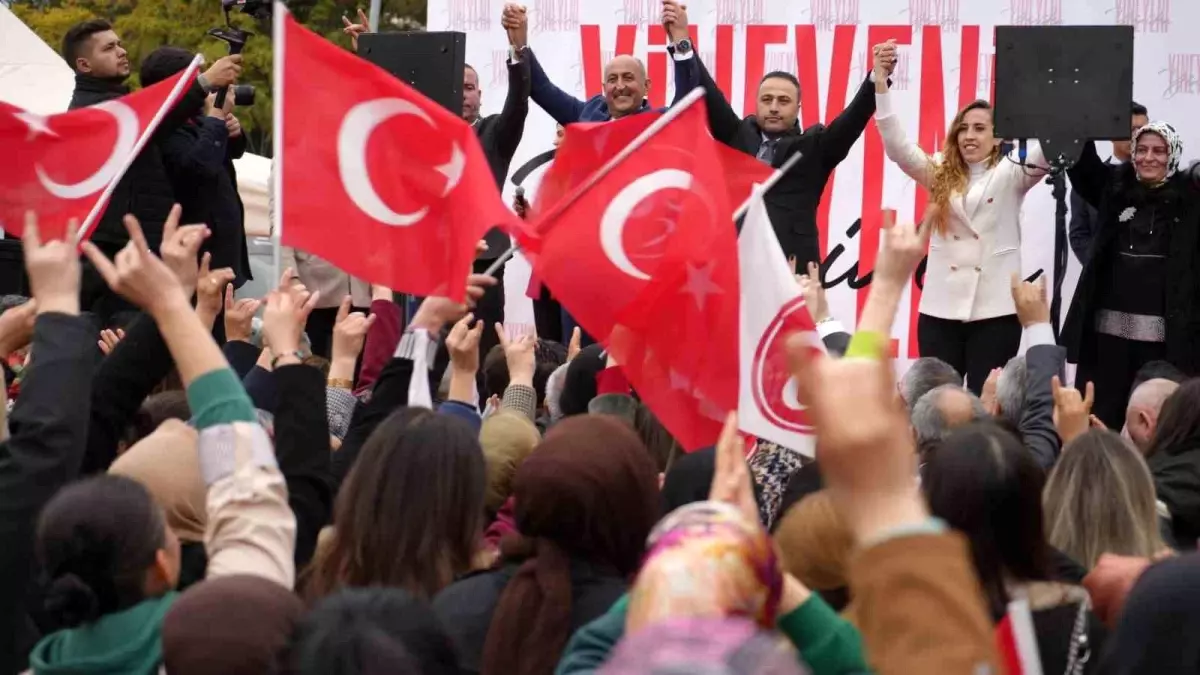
{"points": [[911, 159], [844, 131], [510, 124], [49, 427], [690, 73], [563, 107], [1089, 177]]}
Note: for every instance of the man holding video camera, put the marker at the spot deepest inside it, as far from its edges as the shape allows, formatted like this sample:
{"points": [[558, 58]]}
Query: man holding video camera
{"points": [[198, 157], [101, 65]]}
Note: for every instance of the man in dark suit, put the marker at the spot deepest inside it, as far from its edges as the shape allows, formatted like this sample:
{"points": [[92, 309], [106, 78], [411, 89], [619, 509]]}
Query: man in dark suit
{"points": [[1083, 225], [773, 135], [101, 65]]}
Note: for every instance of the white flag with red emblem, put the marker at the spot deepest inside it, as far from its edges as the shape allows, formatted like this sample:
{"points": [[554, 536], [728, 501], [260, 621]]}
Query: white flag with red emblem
{"points": [[65, 166], [772, 310]]}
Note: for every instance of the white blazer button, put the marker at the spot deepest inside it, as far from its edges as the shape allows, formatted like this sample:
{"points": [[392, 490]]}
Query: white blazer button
{"points": [[954, 268], [978, 269]]}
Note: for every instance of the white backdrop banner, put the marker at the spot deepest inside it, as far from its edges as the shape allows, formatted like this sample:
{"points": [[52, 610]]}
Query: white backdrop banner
{"points": [[945, 60]]}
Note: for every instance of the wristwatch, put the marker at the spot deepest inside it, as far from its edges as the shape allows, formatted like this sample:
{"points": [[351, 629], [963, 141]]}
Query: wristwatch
{"points": [[517, 54], [684, 46]]}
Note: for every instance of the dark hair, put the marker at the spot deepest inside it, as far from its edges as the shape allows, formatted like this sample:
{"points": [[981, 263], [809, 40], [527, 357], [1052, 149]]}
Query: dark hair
{"points": [[369, 631], [781, 75], [662, 445], [95, 540], [467, 66], [1139, 109], [78, 35], [1179, 422], [410, 513], [984, 483], [156, 409], [548, 356], [1157, 370], [163, 63]]}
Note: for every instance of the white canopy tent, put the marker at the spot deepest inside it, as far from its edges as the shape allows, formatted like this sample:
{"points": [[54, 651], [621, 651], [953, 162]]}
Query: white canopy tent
{"points": [[34, 77]]}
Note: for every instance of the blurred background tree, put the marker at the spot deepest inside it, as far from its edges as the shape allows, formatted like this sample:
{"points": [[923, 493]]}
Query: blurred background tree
{"points": [[148, 24]]}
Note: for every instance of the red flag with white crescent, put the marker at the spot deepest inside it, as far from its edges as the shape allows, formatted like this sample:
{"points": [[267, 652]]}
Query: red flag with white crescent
{"points": [[65, 166], [768, 403], [376, 178]]}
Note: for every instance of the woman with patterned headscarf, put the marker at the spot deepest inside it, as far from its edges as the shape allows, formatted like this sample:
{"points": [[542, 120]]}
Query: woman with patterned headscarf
{"points": [[1136, 300]]}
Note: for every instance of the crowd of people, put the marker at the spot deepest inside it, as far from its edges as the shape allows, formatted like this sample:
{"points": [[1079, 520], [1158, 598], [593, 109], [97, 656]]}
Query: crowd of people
{"points": [[322, 481]]}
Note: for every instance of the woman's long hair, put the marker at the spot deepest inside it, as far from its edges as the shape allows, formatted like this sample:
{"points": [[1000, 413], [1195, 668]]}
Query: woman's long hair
{"points": [[1100, 499], [410, 513], [984, 483], [950, 176]]}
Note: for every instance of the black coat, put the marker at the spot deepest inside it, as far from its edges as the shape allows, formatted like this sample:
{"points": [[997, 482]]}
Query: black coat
{"points": [[466, 606], [792, 203], [145, 190], [1110, 189], [199, 158], [499, 135]]}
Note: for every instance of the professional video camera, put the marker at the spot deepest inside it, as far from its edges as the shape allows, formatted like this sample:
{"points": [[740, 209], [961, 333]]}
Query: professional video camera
{"points": [[243, 94]]}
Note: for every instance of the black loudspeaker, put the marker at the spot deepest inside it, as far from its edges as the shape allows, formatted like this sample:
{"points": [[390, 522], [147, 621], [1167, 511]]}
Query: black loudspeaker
{"points": [[1063, 85], [432, 63]]}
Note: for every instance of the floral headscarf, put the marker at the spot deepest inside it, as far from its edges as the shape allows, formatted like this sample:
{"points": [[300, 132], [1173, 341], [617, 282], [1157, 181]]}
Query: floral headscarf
{"points": [[1173, 139], [708, 646], [706, 560]]}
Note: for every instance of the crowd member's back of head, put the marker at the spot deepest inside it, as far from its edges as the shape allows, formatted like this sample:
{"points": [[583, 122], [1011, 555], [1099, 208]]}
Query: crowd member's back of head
{"points": [[1179, 423], [923, 376], [163, 63], [579, 384], [372, 631], [411, 510], [1100, 499], [942, 410], [984, 483], [105, 547], [548, 356], [1011, 390], [507, 438], [156, 409], [1145, 409]]}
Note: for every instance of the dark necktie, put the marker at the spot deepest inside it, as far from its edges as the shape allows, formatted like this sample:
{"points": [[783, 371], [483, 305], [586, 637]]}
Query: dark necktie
{"points": [[766, 153]]}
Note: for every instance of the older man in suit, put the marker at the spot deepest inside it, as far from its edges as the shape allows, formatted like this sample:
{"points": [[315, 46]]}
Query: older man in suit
{"points": [[773, 134]]}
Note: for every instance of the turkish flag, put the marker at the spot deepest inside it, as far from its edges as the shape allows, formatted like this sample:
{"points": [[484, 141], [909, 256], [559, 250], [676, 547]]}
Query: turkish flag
{"points": [[376, 178], [64, 166], [768, 403], [647, 258]]}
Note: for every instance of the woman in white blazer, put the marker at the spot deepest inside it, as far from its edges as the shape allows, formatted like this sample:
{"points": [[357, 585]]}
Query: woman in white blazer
{"points": [[967, 317]]}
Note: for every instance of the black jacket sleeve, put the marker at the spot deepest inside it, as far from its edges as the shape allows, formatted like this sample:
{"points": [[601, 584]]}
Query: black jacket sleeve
{"points": [[49, 426], [1089, 177], [123, 380], [509, 127], [241, 356], [723, 122], [236, 147], [190, 103], [302, 448], [845, 130], [1082, 229], [1042, 362]]}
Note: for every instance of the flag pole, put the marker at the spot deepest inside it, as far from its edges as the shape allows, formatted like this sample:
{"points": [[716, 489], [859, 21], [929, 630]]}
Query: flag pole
{"points": [[655, 127], [767, 184], [97, 208], [277, 58]]}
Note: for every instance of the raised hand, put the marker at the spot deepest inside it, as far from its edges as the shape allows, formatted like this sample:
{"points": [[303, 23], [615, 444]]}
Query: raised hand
{"points": [[349, 333], [210, 283], [576, 344], [814, 293], [675, 19], [435, 312], [904, 245], [224, 71], [519, 353], [180, 249], [109, 339], [138, 275], [283, 321], [1072, 411], [16, 327], [239, 316], [731, 478], [53, 269], [885, 57], [355, 29], [1030, 299], [463, 345], [988, 395], [516, 23]]}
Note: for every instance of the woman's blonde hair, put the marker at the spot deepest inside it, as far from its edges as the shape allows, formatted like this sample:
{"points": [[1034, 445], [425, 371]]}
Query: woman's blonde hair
{"points": [[950, 176], [1100, 499]]}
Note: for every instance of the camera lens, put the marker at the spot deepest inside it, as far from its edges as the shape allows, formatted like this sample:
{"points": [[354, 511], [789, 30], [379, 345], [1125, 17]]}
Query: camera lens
{"points": [[243, 94]]}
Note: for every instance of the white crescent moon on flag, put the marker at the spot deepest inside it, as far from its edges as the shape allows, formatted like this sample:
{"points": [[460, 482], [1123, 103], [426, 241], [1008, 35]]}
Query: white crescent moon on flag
{"points": [[127, 135], [352, 159], [612, 224], [791, 395]]}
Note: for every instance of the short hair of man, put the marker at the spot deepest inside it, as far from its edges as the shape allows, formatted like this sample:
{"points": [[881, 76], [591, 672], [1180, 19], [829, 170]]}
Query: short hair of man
{"points": [[78, 35], [1139, 109], [1012, 390], [924, 375], [928, 421], [162, 63], [781, 75]]}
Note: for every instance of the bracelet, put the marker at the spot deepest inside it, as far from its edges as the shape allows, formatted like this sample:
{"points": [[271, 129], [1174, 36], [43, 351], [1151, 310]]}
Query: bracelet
{"points": [[340, 383], [275, 360]]}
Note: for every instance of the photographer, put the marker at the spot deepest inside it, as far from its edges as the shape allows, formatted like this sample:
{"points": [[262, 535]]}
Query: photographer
{"points": [[101, 64], [198, 157]]}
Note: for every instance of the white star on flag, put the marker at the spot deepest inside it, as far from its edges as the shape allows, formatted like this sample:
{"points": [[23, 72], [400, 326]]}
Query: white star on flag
{"points": [[700, 284], [38, 124]]}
